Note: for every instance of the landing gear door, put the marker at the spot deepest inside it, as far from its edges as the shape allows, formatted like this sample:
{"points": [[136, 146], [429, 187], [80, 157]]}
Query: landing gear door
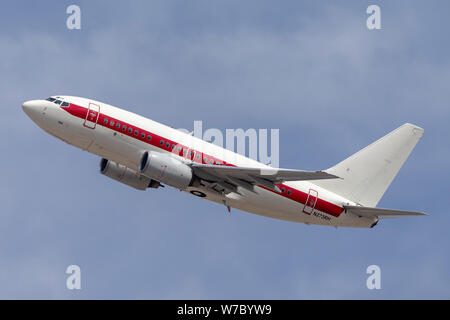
{"points": [[92, 116], [310, 201]]}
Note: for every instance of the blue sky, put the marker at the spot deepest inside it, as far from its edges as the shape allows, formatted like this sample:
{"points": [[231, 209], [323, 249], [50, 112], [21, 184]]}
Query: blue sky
{"points": [[310, 68]]}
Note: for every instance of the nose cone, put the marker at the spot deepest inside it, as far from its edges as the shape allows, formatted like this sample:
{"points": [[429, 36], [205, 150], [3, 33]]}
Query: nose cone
{"points": [[31, 107], [34, 109]]}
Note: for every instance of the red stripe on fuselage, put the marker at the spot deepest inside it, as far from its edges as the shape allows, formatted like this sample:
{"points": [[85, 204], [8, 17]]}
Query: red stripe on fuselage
{"points": [[193, 155]]}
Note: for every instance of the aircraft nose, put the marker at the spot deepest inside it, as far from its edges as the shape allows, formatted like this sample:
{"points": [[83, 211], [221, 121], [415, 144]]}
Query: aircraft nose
{"points": [[28, 106], [32, 108]]}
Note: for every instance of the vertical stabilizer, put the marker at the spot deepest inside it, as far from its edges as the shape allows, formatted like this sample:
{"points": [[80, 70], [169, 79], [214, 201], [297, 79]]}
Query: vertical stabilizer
{"points": [[367, 174]]}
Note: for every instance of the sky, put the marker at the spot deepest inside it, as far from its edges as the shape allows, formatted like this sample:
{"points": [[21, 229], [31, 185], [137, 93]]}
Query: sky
{"points": [[311, 69]]}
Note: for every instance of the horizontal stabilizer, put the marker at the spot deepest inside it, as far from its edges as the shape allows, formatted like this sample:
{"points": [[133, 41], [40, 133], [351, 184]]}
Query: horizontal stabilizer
{"points": [[380, 213]]}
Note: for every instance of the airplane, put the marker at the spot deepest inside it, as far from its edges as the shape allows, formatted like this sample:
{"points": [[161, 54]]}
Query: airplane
{"points": [[143, 153]]}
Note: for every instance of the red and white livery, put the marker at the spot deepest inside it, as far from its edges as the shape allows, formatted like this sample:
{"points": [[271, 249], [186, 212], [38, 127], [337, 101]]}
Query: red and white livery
{"points": [[143, 153]]}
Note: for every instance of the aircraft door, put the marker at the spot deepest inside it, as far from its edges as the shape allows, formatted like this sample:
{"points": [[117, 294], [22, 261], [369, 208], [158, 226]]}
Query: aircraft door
{"points": [[92, 116], [310, 201]]}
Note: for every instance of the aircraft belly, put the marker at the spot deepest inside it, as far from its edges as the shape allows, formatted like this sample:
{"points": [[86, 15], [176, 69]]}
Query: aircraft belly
{"points": [[264, 203]]}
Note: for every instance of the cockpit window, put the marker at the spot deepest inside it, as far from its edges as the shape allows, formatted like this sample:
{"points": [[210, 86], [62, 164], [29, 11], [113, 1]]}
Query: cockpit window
{"points": [[58, 102]]}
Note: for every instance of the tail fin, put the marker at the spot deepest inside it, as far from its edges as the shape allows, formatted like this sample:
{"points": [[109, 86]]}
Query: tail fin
{"points": [[367, 174]]}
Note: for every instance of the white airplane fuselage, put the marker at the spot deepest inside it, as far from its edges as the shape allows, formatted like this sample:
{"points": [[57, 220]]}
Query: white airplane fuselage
{"points": [[121, 136]]}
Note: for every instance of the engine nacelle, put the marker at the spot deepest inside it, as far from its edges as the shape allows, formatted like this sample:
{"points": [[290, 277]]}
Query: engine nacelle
{"points": [[166, 169], [126, 175]]}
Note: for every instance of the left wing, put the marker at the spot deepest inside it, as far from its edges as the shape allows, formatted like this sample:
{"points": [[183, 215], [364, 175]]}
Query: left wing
{"points": [[231, 177]]}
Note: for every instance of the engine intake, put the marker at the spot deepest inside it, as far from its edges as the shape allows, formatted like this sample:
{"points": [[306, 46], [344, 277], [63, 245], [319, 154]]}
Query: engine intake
{"points": [[126, 175], [166, 169]]}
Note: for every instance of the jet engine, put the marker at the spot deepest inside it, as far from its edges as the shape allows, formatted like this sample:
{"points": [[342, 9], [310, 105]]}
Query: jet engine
{"points": [[126, 175], [166, 169]]}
